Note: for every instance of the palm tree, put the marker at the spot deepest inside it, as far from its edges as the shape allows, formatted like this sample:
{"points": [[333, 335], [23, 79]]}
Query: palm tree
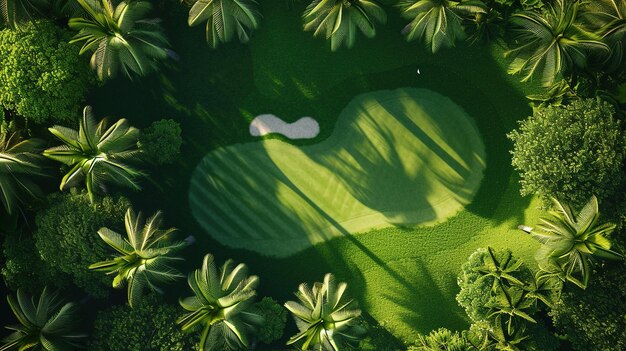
{"points": [[224, 19], [143, 255], [221, 306], [340, 20], [15, 12], [501, 267], [96, 153], [120, 37], [512, 303], [47, 324], [438, 23], [552, 43], [608, 18], [326, 320], [19, 159], [569, 241]]}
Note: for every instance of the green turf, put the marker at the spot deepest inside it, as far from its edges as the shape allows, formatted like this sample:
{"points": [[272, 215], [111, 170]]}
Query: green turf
{"points": [[403, 277], [403, 157]]}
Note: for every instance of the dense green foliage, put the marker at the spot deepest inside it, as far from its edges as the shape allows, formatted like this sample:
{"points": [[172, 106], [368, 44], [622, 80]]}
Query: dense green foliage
{"points": [[19, 160], [570, 152], [550, 44], [570, 240], [221, 306], [224, 19], [160, 142], [42, 77], [66, 236], [438, 23], [275, 318], [593, 319], [120, 37], [326, 318], [340, 21], [46, 323], [23, 269], [149, 326], [97, 154], [142, 258], [443, 340]]}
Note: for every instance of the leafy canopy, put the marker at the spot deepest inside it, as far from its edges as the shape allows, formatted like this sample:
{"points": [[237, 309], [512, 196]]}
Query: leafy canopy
{"points": [[327, 320], [120, 37], [143, 256], [225, 19], [341, 20], [221, 306], [45, 324], [43, 76], [97, 154]]}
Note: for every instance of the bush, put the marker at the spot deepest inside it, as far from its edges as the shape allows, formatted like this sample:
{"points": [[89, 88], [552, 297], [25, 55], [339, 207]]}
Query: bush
{"points": [[42, 76], [476, 287], [570, 152], [595, 318], [150, 326], [67, 240], [442, 340], [275, 319], [23, 268], [161, 142]]}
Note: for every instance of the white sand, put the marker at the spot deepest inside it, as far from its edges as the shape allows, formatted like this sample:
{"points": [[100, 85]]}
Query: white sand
{"points": [[304, 128]]}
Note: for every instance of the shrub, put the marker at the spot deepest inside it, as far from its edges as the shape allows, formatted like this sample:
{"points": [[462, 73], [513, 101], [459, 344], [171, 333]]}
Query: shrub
{"points": [[23, 268], [67, 240], [161, 142], [595, 318], [442, 340], [149, 326], [275, 319], [476, 286], [42, 76], [569, 152]]}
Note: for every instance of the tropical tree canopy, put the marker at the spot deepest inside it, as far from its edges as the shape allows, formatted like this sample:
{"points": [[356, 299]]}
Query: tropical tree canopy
{"points": [[46, 324], [19, 159], [221, 306], [341, 20], [552, 43], [327, 320], [143, 256], [608, 18], [16, 12], [569, 240], [225, 19], [438, 23], [96, 153], [120, 37]]}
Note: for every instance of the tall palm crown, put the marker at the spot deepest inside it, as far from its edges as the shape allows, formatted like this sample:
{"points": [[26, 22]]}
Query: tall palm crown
{"points": [[47, 324], [608, 18], [16, 12], [438, 23], [120, 37], [341, 20], [19, 159], [551, 43], [225, 19], [96, 153], [326, 319], [569, 241], [221, 305], [144, 255]]}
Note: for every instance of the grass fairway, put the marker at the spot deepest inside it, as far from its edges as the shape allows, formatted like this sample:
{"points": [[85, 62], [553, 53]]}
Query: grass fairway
{"points": [[405, 278], [407, 156]]}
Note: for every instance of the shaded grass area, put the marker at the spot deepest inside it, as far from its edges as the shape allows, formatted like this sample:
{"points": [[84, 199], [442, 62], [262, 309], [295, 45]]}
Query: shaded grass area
{"points": [[402, 277], [404, 156]]}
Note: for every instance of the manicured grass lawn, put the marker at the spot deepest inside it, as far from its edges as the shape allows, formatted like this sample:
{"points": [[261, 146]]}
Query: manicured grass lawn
{"points": [[403, 277], [405, 156]]}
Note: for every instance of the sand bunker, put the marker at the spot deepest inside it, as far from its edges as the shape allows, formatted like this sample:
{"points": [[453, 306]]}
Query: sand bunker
{"points": [[304, 128]]}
